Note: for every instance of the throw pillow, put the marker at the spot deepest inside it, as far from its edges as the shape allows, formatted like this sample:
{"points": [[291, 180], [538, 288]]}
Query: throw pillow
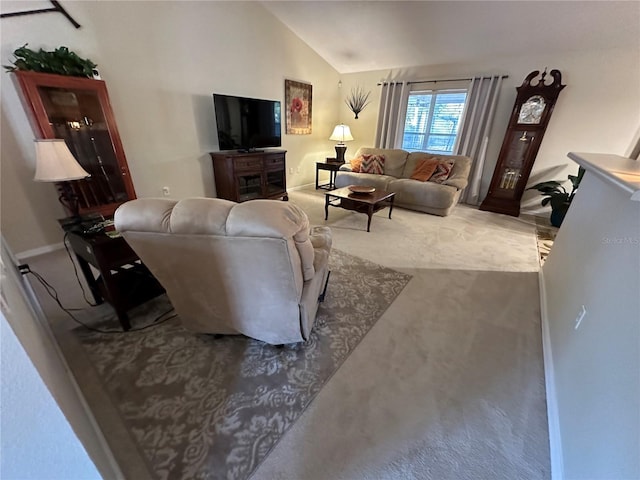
{"points": [[424, 169], [372, 164], [356, 164], [443, 170]]}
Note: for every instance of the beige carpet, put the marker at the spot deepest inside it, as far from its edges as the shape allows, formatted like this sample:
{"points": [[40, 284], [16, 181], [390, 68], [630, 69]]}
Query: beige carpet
{"points": [[449, 381], [467, 239]]}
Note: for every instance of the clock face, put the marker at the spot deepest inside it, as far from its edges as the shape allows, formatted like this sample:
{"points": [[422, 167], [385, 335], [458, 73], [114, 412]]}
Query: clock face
{"points": [[531, 110]]}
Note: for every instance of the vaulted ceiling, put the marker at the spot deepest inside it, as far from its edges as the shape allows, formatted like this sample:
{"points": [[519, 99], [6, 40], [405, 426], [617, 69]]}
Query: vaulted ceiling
{"points": [[371, 35]]}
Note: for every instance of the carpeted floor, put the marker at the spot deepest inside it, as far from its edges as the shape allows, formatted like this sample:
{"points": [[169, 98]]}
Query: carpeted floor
{"points": [[448, 383]]}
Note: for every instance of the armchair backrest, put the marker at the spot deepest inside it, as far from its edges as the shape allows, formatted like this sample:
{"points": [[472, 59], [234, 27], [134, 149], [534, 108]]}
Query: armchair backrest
{"points": [[224, 262]]}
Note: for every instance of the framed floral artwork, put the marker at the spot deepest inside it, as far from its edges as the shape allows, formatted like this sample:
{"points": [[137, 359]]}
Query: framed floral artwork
{"points": [[297, 100]]}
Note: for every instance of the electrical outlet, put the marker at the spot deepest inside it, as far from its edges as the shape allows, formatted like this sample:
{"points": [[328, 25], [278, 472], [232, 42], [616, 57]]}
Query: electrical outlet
{"points": [[298, 170], [581, 314], [290, 170], [166, 191]]}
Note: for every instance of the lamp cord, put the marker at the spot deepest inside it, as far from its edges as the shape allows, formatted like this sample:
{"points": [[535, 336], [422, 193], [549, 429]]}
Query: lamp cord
{"points": [[51, 291]]}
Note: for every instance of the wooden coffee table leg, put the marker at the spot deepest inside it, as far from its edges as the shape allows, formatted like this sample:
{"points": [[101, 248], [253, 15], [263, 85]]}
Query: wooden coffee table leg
{"points": [[390, 207], [326, 206], [369, 214]]}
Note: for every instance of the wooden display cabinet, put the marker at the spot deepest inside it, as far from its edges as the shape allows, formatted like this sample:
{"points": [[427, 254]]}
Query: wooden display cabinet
{"points": [[78, 110], [242, 176]]}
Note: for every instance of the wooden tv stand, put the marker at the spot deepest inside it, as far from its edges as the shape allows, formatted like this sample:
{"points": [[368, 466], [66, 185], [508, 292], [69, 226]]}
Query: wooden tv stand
{"points": [[242, 176]]}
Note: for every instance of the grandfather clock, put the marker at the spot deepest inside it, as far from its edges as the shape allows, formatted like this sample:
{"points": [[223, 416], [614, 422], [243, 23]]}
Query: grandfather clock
{"points": [[529, 119]]}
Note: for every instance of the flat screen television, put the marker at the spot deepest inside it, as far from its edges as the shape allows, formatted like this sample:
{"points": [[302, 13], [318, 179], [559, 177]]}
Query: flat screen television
{"points": [[247, 124]]}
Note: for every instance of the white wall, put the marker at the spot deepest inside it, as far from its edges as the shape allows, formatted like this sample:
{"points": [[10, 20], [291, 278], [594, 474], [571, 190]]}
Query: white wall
{"points": [[597, 111], [37, 441], [161, 62], [595, 262]]}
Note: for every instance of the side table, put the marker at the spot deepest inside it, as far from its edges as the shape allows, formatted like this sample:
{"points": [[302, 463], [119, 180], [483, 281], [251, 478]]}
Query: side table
{"points": [[123, 280], [332, 167]]}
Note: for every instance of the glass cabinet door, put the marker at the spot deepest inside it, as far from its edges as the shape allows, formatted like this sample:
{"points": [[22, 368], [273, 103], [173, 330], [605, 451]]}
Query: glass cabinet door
{"points": [[77, 116], [78, 110], [515, 160], [275, 182], [249, 186]]}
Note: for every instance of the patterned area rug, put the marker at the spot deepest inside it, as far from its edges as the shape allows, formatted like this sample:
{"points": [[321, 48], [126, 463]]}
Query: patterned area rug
{"points": [[205, 408]]}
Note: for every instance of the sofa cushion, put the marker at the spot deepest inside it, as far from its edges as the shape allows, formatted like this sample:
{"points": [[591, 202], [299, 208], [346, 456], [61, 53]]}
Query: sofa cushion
{"points": [[413, 159], [411, 192], [394, 159], [443, 170], [356, 164], [380, 182], [372, 164], [424, 169]]}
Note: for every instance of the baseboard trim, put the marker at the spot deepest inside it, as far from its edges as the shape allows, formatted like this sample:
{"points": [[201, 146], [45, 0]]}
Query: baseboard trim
{"points": [[553, 419], [34, 252], [300, 187]]}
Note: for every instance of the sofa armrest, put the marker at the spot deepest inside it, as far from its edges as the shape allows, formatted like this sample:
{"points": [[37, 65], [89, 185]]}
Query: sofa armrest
{"points": [[346, 167], [459, 183], [459, 177], [321, 237], [321, 240]]}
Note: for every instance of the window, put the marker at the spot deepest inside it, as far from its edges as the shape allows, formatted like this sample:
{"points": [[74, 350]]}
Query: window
{"points": [[432, 120]]}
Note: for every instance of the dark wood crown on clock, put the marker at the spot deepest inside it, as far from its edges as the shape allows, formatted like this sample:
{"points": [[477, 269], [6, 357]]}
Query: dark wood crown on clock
{"points": [[529, 119]]}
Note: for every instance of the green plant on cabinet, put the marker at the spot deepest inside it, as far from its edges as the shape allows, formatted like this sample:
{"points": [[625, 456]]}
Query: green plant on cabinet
{"points": [[60, 61]]}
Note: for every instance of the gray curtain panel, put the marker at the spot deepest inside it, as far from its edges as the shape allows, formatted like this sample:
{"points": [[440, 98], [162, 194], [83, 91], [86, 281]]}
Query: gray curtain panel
{"points": [[482, 98], [393, 106]]}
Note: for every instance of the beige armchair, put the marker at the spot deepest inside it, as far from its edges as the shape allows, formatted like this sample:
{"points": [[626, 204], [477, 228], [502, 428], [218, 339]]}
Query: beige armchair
{"points": [[252, 268]]}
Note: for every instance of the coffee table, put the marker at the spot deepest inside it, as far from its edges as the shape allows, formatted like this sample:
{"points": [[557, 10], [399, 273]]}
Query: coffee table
{"points": [[368, 203]]}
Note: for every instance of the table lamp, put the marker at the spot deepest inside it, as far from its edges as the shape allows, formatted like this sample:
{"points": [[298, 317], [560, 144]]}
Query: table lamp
{"points": [[55, 163], [342, 133]]}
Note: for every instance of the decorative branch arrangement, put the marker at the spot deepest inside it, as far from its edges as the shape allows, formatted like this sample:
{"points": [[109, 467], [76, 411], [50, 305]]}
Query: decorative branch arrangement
{"points": [[61, 61], [357, 100], [55, 8]]}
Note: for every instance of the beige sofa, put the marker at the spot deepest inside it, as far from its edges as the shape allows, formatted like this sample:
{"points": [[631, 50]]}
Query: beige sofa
{"points": [[429, 197], [253, 268]]}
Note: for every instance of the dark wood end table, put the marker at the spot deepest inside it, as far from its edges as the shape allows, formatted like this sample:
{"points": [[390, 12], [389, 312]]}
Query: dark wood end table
{"points": [[123, 280], [332, 167], [368, 203]]}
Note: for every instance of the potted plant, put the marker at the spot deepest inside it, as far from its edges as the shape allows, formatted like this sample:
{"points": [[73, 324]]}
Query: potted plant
{"points": [[61, 61], [556, 195]]}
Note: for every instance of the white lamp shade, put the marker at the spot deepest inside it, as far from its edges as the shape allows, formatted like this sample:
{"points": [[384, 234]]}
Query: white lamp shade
{"points": [[341, 133], [55, 163]]}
